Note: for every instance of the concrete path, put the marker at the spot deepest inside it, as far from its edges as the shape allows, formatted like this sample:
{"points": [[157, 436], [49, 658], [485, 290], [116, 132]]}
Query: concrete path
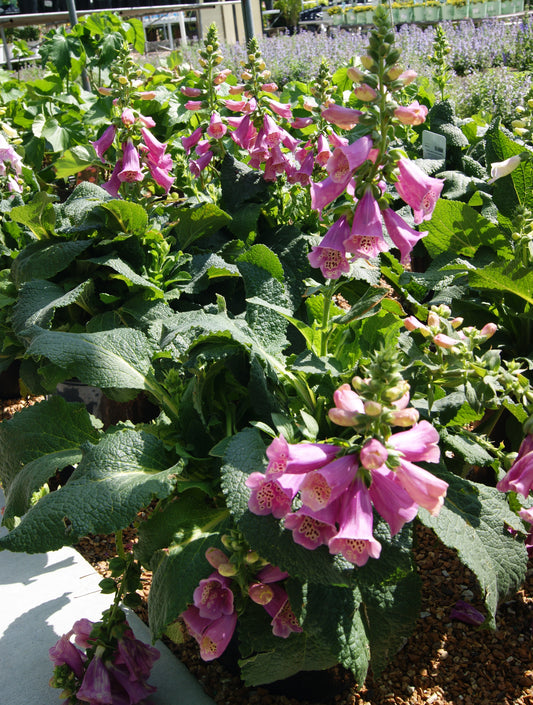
{"points": [[41, 596]]}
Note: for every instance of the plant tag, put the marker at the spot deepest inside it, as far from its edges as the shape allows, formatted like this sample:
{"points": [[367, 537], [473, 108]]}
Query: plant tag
{"points": [[433, 145]]}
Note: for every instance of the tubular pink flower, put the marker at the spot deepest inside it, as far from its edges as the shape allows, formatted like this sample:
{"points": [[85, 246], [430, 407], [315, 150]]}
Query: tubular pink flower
{"points": [[213, 597], [269, 87], [412, 114], [520, 476], [131, 168], [348, 406], [345, 160], [321, 487], [323, 152], [301, 122], [82, 629], [156, 149], [193, 105], [191, 92], [272, 131], [297, 457], [113, 185], [424, 488], [96, 684], [65, 653], [236, 90], [312, 529], [284, 110], [128, 117], [442, 340], [325, 192], [198, 165], [407, 77], [373, 454], [412, 323], [365, 93], [390, 499], [330, 255], [284, 621], [221, 76], [268, 496], [202, 147], [288, 140], [146, 120], [161, 177], [354, 539], [418, 190], [134, 690], [213, 636], [216, 128], [366, 238], [137, 657], [337, 141], [345, 118], [245, 134], [272, 574], [102, 144], [404, 417], [191, 141], [488, 330], [418, 443], [236, 106], [403, 237]]}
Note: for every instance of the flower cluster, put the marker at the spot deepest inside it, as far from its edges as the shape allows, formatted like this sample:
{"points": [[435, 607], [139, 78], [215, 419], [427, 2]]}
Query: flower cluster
{"points": [[325, 493], [89, 671], [212, 617]]}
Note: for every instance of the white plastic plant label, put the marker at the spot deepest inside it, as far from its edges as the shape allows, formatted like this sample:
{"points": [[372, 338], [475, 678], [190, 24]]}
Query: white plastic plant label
{"points": [[433, 145]]}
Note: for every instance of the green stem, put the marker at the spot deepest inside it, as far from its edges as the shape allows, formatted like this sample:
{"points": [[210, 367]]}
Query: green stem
{"points": [[324, 334], [120, 544]]}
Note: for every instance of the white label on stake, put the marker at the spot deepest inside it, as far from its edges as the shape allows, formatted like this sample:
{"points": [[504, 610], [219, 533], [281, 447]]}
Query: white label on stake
{"points": [[433, 145]]}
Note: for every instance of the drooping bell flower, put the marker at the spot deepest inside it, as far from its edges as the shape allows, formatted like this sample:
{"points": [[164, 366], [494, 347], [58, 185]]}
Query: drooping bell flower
{"points": [[213, 597], [501, 169], [390, 499], [137, 657], [312, 529], [131, 168], [216, 128], [297, 457], [161, 177], [221, 76], [202, 147], [323, 152], [113, 185], [325, 192], [365, 93], [348, 406], [321, 487], [194, 105], [373, 454], [345, 118], [412, 114], [128, 691], [272, 131], [198, 165], [403, 237], [284, 621], [418, 443], [301, 122], [213, 636], [127, 117], [345, 160], [102, 144], [82, 629], [269, 496], [330, 255], [245, 133], [284, 110], [156, 149], [96, 684], [366, 237], [520, 476], [418, 190], [422, 486], [146, 120], [354, 539], [65, 653], [191, 141], [191, 92]]}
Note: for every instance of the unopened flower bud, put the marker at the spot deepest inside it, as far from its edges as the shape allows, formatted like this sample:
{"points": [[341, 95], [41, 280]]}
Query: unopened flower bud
{"points": [[373, 408], [365, 93], [394, 72], [488, 330], [373, 454], [404, 417], [251, 557], [122, 80], [396, 392], [433, 319], [518, 123], [246, 76], [407, 77], [261, 66], [10, 132], [265, 75], [209, 49], [367, 61], [358, 383], [457, 322], [215, 556], [442, 340], [260, 593], [499, 169], [104, 91], [227, 570], [412, 323], [355, 74]]}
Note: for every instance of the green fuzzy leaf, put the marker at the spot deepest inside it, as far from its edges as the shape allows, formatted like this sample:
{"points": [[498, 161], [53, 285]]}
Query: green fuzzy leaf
{"points": [[42, 260], [39, 215], [194, 223], [56, 134], [467, 448], [240, 184], [128, 217], [501, 276], [126, 272], [38, 301], [116, 358], [474, 521], [36, 442], [74, 160], [113, 482], [456, 227], [184, 565]]}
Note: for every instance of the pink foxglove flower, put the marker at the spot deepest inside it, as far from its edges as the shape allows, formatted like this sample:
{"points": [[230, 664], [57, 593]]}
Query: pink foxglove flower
{"points": [[354, 539], [65, 653], [198, 165], [373, 454], [527, 515], [330, 255], [348, 406], [365, 93], [216, 128], [245, 133], [403, 236], [345, 118], [520, 476], [323, 152], [312, 529], [366, 238], [194, 105], [345, 160], [418, 190], [191, 141], [297, 457], [128, 117], [131, 168], [102, 144], [422, 486], [412, 114], [390, 499], [156, 149], [467, 613], [442, 340], [284, 110], [321, 487], [325, 192], [96, 684], [161, 177], [113, 185], [272, 131], [213, 636], [191, 92], [272, 495], [301, 122], [418, 443], [136, 656], [284, 621], [213, 597]]}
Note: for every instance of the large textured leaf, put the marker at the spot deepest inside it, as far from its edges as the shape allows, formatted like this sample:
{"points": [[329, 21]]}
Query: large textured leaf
{"points": [[74, 160], [126, 216], [39, 299], [456, 227], [112, 483], [115, 358], [194, 223], [39, 215], [501, 276], [474, 521], [42, 260], [125, 272], [46, 436]]}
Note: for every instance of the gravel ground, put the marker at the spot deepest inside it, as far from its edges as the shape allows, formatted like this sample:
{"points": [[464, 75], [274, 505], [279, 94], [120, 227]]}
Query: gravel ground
{"points": [[445, 662]]}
